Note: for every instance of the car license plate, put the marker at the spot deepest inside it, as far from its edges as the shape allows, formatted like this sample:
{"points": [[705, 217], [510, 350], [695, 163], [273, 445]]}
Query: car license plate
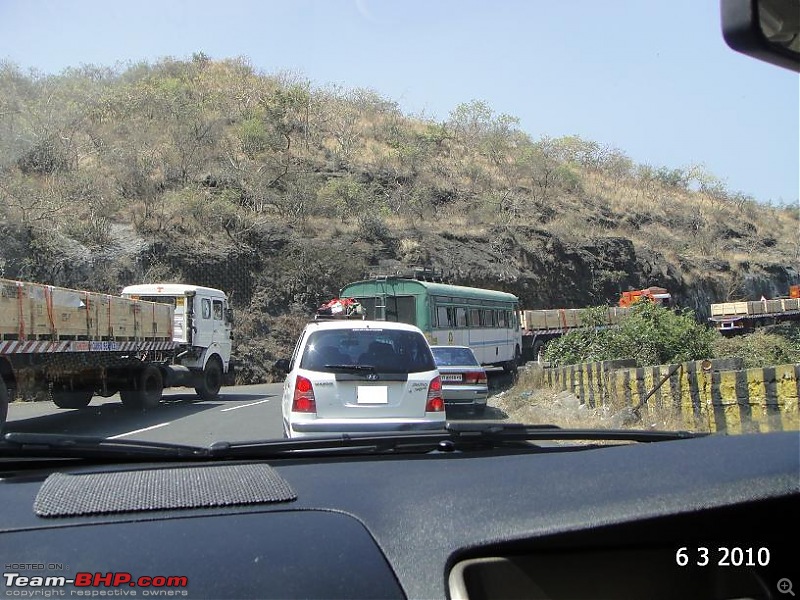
{"points": [[372, 394], [451, 377]]}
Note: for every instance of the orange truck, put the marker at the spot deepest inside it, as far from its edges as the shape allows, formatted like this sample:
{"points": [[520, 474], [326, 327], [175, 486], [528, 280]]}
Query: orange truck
{"points": [[655, 294]]}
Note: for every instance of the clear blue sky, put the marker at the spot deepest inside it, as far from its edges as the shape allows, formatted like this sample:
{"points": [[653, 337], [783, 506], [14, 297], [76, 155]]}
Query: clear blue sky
{"points": [[653, 78]]}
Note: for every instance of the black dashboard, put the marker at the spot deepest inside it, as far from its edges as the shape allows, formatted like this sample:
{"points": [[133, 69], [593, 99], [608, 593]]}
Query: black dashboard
{"points": [[710, 517]]}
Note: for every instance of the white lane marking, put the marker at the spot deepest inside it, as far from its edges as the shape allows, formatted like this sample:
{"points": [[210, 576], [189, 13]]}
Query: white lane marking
{"points": [[244, 405], [113, 437]]}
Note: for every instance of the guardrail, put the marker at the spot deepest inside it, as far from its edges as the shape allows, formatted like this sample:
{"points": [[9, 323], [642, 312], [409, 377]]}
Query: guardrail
{"points": [[718, 396]]}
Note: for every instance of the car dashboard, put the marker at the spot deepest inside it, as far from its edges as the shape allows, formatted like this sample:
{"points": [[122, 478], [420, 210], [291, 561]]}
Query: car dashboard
{"points": [[705, 517]]}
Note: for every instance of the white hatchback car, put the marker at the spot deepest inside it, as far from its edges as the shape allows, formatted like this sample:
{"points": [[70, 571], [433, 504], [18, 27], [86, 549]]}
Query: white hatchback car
{"points": [[348, 376]]}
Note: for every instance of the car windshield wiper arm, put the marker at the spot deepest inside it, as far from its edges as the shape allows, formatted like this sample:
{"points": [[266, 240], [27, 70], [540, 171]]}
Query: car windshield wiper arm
{"points": [[531, 433], [18, 444], [364, 442], [457, 436]]}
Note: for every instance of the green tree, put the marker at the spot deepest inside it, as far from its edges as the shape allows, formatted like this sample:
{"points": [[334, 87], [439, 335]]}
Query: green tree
{"points": [[763, 348], [347, 197], [649, 333]]}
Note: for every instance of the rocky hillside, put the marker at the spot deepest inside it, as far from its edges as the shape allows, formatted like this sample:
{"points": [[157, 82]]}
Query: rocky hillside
{"points": [[280, 193]]}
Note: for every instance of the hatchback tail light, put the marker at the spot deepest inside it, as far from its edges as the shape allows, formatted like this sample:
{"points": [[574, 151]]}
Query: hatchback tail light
{"points": [[435, 402], [304, 401], [475, 377]]}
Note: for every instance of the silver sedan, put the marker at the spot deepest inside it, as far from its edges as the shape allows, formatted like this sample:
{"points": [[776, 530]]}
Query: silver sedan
{"points": [[464, 382]]}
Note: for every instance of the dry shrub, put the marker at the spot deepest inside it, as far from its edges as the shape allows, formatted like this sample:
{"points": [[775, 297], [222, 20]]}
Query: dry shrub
{"points": [[532, 401]]}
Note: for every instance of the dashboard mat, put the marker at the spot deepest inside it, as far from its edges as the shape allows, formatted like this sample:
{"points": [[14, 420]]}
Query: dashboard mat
{"points": [[64, 494]]}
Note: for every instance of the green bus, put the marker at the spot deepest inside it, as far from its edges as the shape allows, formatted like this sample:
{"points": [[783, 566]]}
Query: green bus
{"points": [[484, 320]]}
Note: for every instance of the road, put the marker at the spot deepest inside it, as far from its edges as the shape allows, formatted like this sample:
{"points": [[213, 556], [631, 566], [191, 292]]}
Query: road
{"points": [[247, 412]]}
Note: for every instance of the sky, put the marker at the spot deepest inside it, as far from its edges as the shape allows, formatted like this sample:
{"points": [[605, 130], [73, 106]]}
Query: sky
{"points": [[654, 79]]}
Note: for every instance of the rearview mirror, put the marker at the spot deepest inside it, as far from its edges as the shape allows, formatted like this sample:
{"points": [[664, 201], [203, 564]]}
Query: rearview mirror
{"points": [[768, 30]]}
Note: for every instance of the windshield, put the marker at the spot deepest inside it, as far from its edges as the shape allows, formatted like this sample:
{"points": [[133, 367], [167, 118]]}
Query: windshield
{"points": [[385, 350], [597, 202], [450, 357]]}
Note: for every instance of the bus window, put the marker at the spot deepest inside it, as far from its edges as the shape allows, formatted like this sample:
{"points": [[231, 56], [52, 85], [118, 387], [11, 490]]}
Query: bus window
{"points": [[398, 308], [442, 317], [461, 317], [474, 318], [402, 309]]}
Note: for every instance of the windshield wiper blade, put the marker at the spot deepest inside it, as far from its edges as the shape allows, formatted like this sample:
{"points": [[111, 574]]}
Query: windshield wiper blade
{"points": [[362, 442], [21, 444], [464, 431], [351, 367]]}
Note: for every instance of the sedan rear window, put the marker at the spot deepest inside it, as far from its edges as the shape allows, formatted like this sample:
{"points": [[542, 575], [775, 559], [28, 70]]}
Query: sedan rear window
{"points": [[387, 350], [451, 357]]}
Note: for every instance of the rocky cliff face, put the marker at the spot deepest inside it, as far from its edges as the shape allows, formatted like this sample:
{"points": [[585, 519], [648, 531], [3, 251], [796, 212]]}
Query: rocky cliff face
{"points": [[276, 277], [544, 271]]}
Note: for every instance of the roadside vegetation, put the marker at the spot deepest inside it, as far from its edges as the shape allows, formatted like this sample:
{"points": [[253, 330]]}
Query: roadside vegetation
{"points": [[651, 334], [656, 335], [776, 345], [531, 400]]}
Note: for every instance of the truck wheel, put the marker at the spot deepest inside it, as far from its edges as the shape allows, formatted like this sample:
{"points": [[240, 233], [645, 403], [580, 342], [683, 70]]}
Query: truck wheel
{"points": [[148, 387], [63, 397], [211, 381]]}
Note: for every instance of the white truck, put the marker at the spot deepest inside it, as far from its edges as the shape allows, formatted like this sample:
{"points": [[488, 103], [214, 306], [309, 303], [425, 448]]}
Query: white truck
{"points": [[76, 344]]}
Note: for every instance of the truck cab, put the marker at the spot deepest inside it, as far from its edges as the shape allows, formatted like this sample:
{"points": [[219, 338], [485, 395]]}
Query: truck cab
{"points": [[657, 295], [202, 324]]}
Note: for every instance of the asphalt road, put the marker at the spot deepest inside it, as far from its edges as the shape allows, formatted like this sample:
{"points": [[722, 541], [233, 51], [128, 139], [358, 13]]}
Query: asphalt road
{"points": [[247, 412]]}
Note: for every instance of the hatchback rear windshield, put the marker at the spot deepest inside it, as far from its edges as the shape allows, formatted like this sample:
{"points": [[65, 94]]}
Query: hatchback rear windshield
{"points": [[387, 350], [454, 357]]}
